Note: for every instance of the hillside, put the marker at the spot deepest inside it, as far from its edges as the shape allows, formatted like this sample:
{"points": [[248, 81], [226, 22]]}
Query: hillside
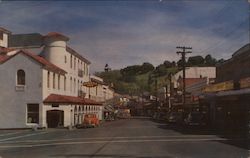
{"points": [[137, 79]]}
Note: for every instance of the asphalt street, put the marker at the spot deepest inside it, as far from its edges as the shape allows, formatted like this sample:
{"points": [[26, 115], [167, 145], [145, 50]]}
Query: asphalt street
{"points": [[135, 138]]}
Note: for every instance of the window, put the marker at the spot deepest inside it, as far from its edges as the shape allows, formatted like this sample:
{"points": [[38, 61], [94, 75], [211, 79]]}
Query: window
{"points": [[70, 84], [84, 69], [20, 77], [65, 83], [48, 76], [70, 61], [74, 84], [58, 82], [32, 113], [54, 80], [65, 59], [74, 63], [78, 85], [1, 35]]}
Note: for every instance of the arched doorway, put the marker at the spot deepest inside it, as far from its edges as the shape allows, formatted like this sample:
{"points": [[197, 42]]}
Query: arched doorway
{"points": [[55, 118]]}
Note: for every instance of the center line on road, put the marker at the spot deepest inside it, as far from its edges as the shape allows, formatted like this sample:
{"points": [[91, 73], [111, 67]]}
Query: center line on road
{"points": [[112, 141], [22, 136], [7, 134], [101, 138]]}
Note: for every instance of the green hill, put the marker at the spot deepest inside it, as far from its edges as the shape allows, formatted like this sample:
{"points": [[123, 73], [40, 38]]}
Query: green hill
{"points": [[136, 79]]}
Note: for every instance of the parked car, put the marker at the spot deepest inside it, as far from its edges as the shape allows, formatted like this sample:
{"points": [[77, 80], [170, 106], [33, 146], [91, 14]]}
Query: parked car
{"points": [[195, 119], [175, 117], [89, 120]]}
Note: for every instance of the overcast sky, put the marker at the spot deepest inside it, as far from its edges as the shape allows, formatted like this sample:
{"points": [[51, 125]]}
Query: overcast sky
{"points": [[123, 33]]}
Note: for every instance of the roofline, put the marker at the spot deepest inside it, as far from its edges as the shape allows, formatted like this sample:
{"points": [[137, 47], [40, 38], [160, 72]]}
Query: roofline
{"points": [[26, 53], [72, 51], [5, 30], [239, 51], [56, 35]]}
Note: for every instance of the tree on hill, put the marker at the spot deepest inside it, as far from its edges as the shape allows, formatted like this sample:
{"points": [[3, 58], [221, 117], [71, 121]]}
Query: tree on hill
{"points": [[195, 61], [146, 67], [209, 60]]}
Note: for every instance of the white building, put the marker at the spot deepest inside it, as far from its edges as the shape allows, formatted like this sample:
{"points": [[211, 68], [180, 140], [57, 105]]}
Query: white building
{"points": [[101, 92], [43, 90], [194, 73]]}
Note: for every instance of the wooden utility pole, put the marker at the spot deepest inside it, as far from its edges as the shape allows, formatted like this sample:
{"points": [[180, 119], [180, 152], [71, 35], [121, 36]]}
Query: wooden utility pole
{"points": [[183, 57]]}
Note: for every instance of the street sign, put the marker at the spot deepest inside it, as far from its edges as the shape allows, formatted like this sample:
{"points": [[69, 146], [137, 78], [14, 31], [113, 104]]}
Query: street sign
{"points": [[223, 86]]}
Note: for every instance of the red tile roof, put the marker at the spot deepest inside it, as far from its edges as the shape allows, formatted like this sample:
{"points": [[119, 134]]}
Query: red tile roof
{"points": [[57, 35], [47, 65], [63, 99]]}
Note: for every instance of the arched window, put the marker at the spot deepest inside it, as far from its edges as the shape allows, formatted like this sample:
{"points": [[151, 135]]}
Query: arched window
{"points": [[20, 77]]}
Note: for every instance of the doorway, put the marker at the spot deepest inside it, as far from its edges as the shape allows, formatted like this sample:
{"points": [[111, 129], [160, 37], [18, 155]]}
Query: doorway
{"points": [[55, 118]]}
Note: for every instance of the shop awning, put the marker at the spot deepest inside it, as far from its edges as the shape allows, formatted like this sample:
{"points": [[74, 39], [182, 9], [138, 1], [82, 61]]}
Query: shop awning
{"points": [[234, 92], [63, 99]]}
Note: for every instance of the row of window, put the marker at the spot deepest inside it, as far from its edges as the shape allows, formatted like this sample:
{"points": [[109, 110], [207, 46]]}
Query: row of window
{"points": [[86, 108], [79, 63], [54, 81], [33, 111], [72, 82]]}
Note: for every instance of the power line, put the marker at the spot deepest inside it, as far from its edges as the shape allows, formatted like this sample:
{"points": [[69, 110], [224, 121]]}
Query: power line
{"points": [[225, 37]]}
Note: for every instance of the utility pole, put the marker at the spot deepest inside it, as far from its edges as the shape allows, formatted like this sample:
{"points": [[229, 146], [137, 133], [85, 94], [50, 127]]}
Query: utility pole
{"points": [[156, 101], [183, 57], [170, 90]]}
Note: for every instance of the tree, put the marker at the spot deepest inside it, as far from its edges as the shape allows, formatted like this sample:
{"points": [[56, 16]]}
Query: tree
{"points": [[179, 63], [209, 60], [146, 67], [167, 64], [195, 61]]}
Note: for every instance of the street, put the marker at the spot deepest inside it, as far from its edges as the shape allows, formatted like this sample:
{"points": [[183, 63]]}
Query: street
{"points": [[138, 138]]}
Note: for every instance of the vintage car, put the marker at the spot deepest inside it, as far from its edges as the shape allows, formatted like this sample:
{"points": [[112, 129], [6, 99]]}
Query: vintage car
{"points": [[89, 120], [195, 119]]}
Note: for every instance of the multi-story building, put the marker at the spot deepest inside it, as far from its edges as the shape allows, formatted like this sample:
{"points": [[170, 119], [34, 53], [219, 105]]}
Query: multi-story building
{"points": [[193, 75], [195, 78], [43, 90], [101, 92], [228, 98]]}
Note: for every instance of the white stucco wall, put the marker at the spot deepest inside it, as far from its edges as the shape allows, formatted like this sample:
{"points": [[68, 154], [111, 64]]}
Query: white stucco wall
{"points": [[4, 42], [195, 72], [13, 103]]}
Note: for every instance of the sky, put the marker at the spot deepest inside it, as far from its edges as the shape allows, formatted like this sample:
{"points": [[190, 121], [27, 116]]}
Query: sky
{"points": [[128, 32]]}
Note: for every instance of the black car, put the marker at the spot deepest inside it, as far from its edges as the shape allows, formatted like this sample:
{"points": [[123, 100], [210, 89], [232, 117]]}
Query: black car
{"points": [[195, 119]]}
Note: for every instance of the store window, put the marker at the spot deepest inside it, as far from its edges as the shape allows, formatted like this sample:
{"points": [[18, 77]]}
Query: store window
{"points": [[33, 113]]}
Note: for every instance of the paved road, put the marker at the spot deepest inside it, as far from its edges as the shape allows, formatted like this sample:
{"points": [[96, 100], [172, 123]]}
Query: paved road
{"points": [[134, 138]]}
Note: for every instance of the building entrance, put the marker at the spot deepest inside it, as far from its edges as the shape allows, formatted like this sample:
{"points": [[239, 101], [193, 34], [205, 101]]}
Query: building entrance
{"points": [[55, 118]]}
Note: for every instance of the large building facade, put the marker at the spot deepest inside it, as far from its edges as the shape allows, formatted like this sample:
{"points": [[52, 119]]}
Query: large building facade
{"points": [[228, 98], [45, 89]]}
